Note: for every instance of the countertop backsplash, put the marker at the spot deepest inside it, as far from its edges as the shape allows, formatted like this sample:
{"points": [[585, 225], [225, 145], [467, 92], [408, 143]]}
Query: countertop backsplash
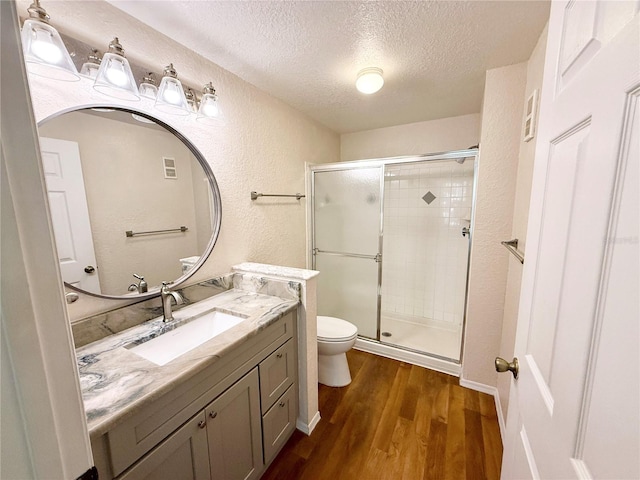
{"points": [[97, 327]]}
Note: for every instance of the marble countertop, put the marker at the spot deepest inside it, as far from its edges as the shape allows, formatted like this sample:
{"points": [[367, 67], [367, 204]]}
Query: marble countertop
{"points": [[116, 383]]}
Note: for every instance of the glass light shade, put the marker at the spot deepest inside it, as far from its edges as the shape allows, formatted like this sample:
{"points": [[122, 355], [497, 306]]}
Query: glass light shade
{"points": [[171, 97], [148, 90], [45, 53], [209, 112], [115, 78], [90, 70], [369, 80]]}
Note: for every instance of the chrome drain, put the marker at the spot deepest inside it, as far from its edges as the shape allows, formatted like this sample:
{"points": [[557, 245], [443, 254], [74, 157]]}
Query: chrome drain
{"points": [[386, 334]]}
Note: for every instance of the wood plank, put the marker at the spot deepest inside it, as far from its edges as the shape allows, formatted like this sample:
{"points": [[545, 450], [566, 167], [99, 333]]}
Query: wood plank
{"points": [[391, 409], [491, 436], [436, 461], [474, 457], [455, 466], [395, 421]]}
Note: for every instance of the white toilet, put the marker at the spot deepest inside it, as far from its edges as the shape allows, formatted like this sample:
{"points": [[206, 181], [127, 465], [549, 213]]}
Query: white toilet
{"points": [[335, 338]]}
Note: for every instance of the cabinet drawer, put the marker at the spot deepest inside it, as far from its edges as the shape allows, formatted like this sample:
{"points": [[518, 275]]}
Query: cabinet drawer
{"points": [[279, 422], [277, 373]]}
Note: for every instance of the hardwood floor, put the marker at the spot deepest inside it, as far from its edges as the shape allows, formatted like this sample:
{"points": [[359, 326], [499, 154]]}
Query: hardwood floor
{"points": [[395, 421]]}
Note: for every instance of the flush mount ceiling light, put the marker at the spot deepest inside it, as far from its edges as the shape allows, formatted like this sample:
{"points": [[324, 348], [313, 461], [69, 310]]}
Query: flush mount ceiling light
{"points": [[44, 51], [114, 77], [171, 98], [209, 112], [369, 80]]}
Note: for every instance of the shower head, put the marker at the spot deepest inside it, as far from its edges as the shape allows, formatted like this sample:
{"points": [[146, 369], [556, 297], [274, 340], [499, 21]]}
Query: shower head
{"points": [[461, 160]]}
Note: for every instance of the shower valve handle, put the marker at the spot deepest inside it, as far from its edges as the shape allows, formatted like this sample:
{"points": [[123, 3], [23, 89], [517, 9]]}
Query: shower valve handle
{"points": [[465, 231]]}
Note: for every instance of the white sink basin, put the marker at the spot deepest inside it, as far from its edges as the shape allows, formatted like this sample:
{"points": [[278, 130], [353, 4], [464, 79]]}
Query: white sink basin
{"points": [[164, 348]]}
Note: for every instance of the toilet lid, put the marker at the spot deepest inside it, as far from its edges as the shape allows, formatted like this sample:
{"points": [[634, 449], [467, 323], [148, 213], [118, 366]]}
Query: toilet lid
{"points": [[333, 329]]}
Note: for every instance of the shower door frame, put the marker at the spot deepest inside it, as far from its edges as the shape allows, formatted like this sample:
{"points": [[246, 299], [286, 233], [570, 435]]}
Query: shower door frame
{"points": [[382, 163]]}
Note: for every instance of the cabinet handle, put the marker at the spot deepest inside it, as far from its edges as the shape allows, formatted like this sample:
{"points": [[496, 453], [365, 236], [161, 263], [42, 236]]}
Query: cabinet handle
{"points": [[279, 355], [281, 404], [213, 414], [202, 424]]}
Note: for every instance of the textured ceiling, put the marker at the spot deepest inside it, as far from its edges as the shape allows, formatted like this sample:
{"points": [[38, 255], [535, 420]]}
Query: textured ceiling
{"points": [[307, 53]]}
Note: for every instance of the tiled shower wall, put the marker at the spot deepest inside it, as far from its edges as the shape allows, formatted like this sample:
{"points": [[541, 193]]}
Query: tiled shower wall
{"points": [[426, 205]]}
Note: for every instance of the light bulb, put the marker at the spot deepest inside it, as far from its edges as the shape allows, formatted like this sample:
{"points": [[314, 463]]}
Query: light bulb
{"points": [[43, 48], [171, 95], [116, 74], [210, 108]]}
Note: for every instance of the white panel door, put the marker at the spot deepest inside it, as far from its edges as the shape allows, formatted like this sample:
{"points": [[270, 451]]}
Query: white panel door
{"points": [[69, 213], [574, 410]]}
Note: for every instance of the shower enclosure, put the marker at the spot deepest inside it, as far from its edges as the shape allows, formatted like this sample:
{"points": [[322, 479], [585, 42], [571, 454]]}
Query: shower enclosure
{"points": [[391, 238]]}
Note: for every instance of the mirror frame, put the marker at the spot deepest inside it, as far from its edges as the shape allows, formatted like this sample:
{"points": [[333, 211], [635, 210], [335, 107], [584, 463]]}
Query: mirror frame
{"points": [[215, 195]]}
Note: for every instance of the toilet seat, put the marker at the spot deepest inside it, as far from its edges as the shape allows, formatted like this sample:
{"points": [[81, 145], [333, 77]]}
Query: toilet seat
{"points": [[331, 329]]}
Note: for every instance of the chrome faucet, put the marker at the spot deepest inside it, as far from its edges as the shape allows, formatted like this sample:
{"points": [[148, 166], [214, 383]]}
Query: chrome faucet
{"points": [[166, 294], [141, 287]]}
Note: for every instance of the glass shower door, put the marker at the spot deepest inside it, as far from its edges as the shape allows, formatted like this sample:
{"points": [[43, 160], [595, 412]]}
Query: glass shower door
{"points": [[346, 245]]}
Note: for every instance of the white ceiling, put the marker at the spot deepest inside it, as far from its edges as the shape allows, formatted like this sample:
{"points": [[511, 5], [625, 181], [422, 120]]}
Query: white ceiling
{"points": [[307, 53]]}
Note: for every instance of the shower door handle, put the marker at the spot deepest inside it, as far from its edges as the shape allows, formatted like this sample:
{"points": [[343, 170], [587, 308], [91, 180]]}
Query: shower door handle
{"points": [[466, 231]]}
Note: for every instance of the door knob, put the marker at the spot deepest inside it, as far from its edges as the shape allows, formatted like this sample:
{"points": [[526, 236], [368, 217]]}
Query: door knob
{"points": [[89, 269], [503, 366]]}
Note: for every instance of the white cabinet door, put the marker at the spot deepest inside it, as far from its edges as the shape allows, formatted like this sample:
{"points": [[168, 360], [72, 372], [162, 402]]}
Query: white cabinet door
{"points": [[573, 412], [69, 212]]}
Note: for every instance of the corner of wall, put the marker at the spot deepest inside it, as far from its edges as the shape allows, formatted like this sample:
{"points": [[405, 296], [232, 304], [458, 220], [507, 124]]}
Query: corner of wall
{"points": [[495, 194]]}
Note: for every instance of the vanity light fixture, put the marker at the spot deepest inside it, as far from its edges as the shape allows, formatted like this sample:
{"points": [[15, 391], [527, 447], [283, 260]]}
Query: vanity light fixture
{"points": [[209, 112], [171, 98], [114, 76], [92, 65], [148, 87], [44, 51], [369, 80]]}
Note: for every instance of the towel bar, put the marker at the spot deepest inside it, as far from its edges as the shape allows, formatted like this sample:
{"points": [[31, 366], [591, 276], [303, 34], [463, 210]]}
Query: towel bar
{"points": [[512, 246]]}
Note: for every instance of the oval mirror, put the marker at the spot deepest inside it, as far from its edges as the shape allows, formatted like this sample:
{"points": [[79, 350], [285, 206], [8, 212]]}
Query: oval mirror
{"points": [[130, 199]]}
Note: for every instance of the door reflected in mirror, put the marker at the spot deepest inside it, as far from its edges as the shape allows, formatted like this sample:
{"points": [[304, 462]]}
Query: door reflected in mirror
{"points": [[127, 197]]}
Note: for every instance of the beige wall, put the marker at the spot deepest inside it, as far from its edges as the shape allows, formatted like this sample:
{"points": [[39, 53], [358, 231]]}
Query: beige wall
{"points": [[535, 68], [442, 135], [126, 190], [496, 188], [263, 147]]}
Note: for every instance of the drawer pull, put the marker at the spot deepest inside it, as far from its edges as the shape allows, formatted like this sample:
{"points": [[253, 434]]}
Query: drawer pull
{"points": [[213, 414], [279, 355], [281, 404], [202, 424]]}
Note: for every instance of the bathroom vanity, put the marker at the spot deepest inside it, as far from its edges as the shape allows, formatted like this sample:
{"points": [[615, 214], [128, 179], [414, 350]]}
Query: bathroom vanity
{"points": [[222, 410]]}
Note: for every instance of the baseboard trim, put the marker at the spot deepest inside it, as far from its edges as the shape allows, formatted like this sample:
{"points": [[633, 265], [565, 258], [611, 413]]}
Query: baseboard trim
{"points": [[307, 429], [425, 361], [488, 389]]}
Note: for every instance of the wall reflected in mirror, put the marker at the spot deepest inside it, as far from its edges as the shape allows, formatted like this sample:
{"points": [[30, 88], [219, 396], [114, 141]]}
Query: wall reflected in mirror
{"points": [[107, 173]]}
